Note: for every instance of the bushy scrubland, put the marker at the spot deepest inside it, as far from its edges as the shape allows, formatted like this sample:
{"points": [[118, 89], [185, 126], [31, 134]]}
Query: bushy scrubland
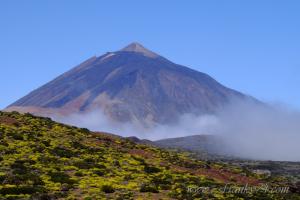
{"points": [[42, 159]]}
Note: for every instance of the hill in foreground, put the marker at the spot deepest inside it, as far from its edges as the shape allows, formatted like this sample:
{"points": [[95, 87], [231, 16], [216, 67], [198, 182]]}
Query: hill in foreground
{"points": [[42, 159]]}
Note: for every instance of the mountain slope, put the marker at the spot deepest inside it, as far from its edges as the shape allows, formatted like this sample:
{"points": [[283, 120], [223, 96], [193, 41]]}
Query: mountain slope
{"points": [[206, 146], [42, 159], [133, 84]]}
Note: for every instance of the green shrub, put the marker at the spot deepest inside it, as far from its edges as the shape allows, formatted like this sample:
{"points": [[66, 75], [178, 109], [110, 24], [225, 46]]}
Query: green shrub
{"points": [[46, 143], [125, 195], [85, 130], [99, 172], [107, 189], [151, 169], [163, 182], [17, 136], [78, 145], [21, 190], [146, 187], [116, 163], [88, 164], [60, 177], [2, 178], [78, 173], [63, 152]]}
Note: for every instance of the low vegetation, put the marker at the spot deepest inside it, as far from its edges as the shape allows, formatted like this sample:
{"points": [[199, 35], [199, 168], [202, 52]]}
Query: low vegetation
{"points": [[42, 159]]}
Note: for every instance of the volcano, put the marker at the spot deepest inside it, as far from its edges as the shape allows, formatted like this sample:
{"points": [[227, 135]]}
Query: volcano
{"points": [[133, 84]]}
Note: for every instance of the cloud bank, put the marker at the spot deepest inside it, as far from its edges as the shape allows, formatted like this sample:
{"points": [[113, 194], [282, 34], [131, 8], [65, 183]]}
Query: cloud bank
{"points": [[248, 129]]}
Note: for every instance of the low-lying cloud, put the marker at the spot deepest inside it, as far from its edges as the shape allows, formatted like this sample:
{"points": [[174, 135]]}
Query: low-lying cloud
{"points": [[260, 132], [248, 129]]}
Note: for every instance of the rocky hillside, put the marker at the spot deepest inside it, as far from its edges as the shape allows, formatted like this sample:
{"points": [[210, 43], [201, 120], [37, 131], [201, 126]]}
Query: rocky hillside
{"points": [[42, 159]]}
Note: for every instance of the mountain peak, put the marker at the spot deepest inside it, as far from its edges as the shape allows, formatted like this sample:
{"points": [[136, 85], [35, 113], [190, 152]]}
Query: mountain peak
{"points": [[138, 48], [133, 85]]}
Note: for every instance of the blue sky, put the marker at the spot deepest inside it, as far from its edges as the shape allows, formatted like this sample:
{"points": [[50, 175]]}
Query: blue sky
{"points": [[251, 46]]}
